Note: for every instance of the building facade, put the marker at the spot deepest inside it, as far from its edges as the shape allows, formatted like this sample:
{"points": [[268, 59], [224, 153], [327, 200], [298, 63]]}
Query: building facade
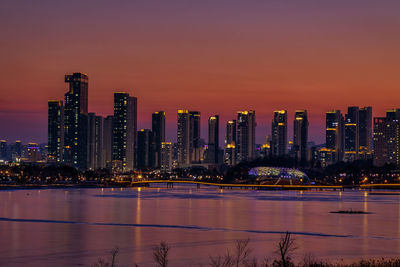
{"points": [[334, 136], [351, 134], [213, 140], [183, 137], [108, 128], [245, 136], [55, 131], [95, 141], [76, 121], [125, 129], [158, 128], [145, 149], [195, 142], [365, 133], [300, 135], [166, 156], [279, 143], [387, 138]]}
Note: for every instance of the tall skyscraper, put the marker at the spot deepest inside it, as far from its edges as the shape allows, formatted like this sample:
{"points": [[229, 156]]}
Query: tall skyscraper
{"points": [[230, 132], [195, 146], [108, 128], [158, 128], [145, 149], [55, 131], [125, 129], [387, 138], [183, 137], [230, 143], [213, 140], [76, 121], [334, 135], [95, 133], [300, 135], [365, 132], [279, 134], [166, 156], [351, 134], [245, 137]]}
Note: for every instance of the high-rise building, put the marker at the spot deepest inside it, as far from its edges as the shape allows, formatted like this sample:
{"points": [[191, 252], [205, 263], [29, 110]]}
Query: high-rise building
{"points": [[108, 128], [279, 134], [230, 143], [387, 138], [365, 132], [183, 137], [195, 146], [33, 152], [3, 150], [158, 128], [166, 156], [145, 149], [246, 136], [76, 121], [95, 150], [55, 131], [125, 129], [351, 134], [230, 154], [300, 135], [213, 139], [230, 132], [16, 152], [334, 136]]}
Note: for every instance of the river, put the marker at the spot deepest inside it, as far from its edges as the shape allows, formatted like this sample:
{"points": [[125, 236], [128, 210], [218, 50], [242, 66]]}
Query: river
{"points": [[76, 227]]}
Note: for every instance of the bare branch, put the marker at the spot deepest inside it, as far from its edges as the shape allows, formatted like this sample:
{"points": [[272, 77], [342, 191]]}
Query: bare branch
{"points": [[160, 254]]}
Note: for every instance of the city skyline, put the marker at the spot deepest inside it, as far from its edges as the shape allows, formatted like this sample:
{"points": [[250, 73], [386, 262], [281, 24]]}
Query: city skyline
{"points": [[261, 134], [259, 56]]}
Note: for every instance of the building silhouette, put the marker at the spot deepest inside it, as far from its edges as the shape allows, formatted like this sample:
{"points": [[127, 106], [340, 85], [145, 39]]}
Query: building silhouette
{"points": [[125, 129], [195, 144], [365, 133], [3, 150], [245, 136], [334, 136], [213, 140], [55, 131], [300, 135], [387, 138], [279, 143], [183, 137], [76, 121], [145, 149], [108, 128], [351, 134], [95, 141], [166, 156], [158, 128]]}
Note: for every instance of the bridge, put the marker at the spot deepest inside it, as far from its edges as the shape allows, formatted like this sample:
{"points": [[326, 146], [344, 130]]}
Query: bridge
{"points": [[170, 184]]}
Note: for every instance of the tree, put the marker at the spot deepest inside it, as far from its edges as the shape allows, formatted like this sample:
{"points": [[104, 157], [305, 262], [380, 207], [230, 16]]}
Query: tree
{"points": [[160, 254], [285, 247]]}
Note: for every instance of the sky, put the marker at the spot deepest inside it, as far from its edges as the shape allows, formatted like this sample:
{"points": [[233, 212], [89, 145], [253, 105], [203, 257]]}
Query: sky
{"points": [[218, 57]]}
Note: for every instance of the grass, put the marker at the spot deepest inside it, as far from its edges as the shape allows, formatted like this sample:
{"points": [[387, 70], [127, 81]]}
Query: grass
{"points": [[241, 256]]}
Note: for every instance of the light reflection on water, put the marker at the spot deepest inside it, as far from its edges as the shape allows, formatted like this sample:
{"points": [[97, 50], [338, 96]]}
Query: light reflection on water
{"points": [[78, 226]]}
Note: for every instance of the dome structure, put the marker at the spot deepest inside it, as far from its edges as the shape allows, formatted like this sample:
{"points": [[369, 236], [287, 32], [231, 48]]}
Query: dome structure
{"points": [[279, 175]]}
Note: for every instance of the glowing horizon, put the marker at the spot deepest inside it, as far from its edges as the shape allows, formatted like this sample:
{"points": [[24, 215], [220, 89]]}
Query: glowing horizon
{"points": [[214, 57]]}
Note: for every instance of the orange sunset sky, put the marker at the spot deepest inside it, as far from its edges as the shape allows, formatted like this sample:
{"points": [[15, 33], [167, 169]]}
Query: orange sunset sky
{"points": [[217, 57]]}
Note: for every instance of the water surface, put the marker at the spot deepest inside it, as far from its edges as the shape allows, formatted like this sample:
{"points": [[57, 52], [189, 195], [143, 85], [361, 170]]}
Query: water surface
{"points": [[76, 227]]}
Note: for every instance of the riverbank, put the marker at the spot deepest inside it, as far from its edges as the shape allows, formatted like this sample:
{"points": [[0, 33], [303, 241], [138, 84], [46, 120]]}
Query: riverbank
{"points": [[57, 186]]}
